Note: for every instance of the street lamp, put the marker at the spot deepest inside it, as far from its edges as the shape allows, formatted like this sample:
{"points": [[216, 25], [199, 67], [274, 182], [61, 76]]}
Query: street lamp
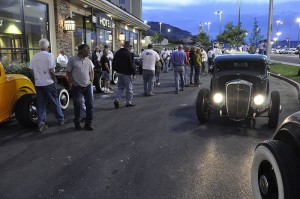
{"points": [[169, 30], [278, 22], [208, 24], [220, 12], [298, 20], [160, 27]]}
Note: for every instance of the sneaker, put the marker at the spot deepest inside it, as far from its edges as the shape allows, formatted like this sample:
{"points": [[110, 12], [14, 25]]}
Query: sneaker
{"points": [[158, 84], [61, 123], [181, 89], [109, 91], [88, 127], [150, 94], [78, 126], [116, 103], [130, 104], [42, 128], [82, 119], [191, 83]]}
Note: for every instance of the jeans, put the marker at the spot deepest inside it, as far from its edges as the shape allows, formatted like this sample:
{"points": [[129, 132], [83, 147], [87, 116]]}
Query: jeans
{"points": [[124, 82], [178, 73], [197, 71], [166, 65], [191, 73], [157, 73], [46, 94], [78, 94], [148, 78], [186, 74]]}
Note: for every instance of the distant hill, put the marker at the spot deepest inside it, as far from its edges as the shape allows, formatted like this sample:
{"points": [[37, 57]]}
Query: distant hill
{"points": [[175, 36]]}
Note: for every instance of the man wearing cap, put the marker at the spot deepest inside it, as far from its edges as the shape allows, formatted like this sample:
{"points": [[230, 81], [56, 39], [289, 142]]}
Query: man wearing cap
{"points": [[150, 58], [178, 59], [123, 64]]}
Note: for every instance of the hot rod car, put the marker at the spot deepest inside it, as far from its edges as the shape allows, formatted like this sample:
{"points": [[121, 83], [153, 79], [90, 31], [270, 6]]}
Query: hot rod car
{"points": [[239, 89], [276, 163]]}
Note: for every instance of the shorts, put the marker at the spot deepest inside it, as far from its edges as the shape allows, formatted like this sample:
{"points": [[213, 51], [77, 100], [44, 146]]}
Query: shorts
{"points": [[106, 76]]}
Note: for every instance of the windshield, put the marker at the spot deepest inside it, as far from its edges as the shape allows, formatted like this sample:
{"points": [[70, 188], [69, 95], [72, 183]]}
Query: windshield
{"points": [[254, 66]]}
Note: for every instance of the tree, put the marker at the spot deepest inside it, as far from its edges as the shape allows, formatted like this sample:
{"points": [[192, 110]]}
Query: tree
{"points": [[157, 38], [232, 35], [202, 38], [255, 36]]}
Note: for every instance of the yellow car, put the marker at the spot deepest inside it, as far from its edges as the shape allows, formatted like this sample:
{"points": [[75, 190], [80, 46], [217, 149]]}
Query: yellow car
{"points": [[17, 95]]}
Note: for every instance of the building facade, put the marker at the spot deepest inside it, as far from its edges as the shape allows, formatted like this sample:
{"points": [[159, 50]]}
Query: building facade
{"points": [[96, 22]]}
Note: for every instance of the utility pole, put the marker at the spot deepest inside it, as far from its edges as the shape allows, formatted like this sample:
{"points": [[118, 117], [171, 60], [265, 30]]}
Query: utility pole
{"points": [[270, 28]]}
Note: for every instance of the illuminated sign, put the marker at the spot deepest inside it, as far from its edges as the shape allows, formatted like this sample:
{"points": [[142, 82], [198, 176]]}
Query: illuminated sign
{"points": [[102, 20]]}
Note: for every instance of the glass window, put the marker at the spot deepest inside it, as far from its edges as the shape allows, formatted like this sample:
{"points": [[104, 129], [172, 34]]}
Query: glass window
{"points": [[36, 23], [79, 31], [10, 31], [122, 2]]}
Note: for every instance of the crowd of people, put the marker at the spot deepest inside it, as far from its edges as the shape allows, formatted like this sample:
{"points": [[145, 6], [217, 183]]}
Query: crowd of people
{"points": [[187, 64]]}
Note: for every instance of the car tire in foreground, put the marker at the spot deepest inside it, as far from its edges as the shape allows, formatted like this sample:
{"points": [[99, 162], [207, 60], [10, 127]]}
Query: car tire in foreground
{"points": [[99, 83], [274, 172], [274, 109], [26, 110], [63, 97], [202, 105]]}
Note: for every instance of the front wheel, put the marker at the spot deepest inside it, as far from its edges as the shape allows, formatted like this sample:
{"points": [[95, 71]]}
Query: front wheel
{"points": [[274, 109], [26, 110], [114, 77], [202, 105], [99, 83], [275, 173], [63, 97]]}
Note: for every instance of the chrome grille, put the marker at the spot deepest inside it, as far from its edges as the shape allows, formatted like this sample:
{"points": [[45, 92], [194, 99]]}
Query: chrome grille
{"points": [[238, 94]]}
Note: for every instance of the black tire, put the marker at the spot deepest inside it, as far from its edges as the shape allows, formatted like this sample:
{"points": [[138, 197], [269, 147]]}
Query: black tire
{"points": [[275, 172], [63, 97], [99, 83], [274, 109], [114, 78], [26, 110], [202, 105]]}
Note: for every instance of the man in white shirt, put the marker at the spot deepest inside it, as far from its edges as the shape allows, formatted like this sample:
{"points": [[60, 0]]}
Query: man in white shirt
{"points": [[165, 54], [42, 66], [150, 58], [62, 59], [204, 61]]}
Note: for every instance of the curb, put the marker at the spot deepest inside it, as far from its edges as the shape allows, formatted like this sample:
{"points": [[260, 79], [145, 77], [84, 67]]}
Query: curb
{"points": [[292, 82]]}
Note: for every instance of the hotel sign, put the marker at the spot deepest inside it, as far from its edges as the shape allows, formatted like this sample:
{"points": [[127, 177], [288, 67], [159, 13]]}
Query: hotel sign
{"points": [[102, 20]]}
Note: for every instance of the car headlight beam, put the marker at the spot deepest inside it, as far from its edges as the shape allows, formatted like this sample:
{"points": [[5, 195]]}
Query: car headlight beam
{"points": [[259, 99], [218, 98]]}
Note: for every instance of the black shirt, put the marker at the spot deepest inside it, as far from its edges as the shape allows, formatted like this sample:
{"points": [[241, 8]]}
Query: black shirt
{"points": [[104, 60]]}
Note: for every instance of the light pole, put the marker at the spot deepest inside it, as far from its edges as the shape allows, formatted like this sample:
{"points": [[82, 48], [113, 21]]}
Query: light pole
{"points": [[208, 24], [277, 34], [298, 20], [160, 27], [239, 19], [220, 12], [278, 22]]}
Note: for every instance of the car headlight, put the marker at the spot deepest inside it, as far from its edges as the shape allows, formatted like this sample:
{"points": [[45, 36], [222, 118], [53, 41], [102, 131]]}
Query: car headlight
{"points": [[259, 100], [218, 98]]}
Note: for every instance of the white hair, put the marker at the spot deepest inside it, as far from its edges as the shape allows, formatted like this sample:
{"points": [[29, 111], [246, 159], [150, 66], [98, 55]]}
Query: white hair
{"points": [[44, 44]]}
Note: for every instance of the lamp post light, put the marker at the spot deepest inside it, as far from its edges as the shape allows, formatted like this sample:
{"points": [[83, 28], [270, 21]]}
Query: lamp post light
{"points": [[208, 24], [169, 30], [278, 22], [160, 27], [220, 12], [277, 34], [298, 20], [275, 39]]}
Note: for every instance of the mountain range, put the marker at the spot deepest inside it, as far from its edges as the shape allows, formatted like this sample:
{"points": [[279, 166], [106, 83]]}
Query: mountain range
{"points": [[176, 35]]}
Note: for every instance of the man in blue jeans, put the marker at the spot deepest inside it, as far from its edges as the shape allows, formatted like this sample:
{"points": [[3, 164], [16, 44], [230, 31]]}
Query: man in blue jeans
{"points": [[178, 60], [42, 66], [123, 64], [80, 72]]}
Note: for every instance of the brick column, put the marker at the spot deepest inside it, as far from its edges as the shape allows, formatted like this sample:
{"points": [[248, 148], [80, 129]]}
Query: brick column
{"points": [[63, 39]]}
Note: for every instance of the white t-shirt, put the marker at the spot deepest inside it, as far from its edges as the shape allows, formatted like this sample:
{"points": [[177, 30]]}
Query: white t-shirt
{"points": [[203, 56], [149, 57], [41, 64], [165, 54], [62, 60]]}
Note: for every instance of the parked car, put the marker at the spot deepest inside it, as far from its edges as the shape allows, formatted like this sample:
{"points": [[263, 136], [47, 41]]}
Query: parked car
{"points": [[275, 169], [239, 90], [284, 51], [18, 96]]}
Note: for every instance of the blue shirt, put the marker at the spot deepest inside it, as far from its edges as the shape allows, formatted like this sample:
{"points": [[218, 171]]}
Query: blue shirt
{"points": [[178, 58]]}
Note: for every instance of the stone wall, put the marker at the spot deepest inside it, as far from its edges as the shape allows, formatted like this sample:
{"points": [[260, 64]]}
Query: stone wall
{"points": [[63, 39]]}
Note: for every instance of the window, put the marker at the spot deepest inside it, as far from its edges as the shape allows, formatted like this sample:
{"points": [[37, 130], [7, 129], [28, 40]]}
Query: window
{"points": [[122, 2]]}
